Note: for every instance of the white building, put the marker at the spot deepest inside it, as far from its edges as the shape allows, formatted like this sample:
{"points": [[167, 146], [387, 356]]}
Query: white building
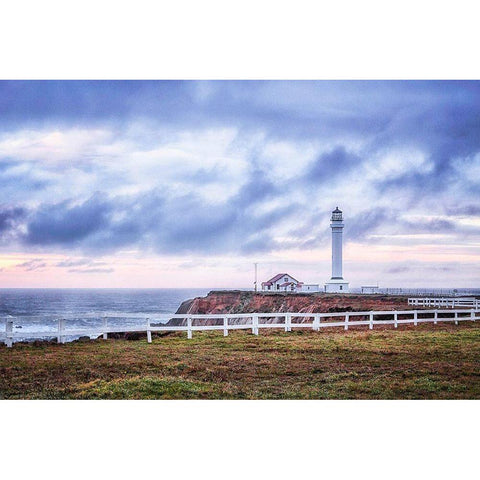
{"points": [[283, 282], [308, 287], [337, 284], [370, 289]]}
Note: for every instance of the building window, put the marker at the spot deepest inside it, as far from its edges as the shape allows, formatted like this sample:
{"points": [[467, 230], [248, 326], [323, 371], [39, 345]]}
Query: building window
{"points": [[269, 287], [341, 287]]}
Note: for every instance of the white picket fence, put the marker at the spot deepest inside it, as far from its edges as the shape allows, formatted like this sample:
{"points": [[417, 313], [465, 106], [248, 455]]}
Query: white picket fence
{"points": [[448, 302], [253, 321]]}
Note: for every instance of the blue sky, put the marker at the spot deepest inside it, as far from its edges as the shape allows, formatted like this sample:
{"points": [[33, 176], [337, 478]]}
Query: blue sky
{"points": [[165, 183]]}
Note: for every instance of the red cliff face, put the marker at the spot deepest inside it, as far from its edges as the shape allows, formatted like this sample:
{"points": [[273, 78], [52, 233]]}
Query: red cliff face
{"points": [[250, 302]]}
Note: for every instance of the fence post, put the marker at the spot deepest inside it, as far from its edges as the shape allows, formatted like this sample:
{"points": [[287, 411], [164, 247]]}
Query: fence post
{"points": [[149, 332], [289, 321], [9, 333], [225, 326], [472, 315], [395, 319], [189, 327], [61, 330], [435, 317], [104, 324], [346, 321], [255, 324], [316, 323], [456, 316], [371, 321]]}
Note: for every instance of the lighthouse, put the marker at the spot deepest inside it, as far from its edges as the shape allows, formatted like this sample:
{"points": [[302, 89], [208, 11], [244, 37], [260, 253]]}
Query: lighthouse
{"points": [[337, 284]]}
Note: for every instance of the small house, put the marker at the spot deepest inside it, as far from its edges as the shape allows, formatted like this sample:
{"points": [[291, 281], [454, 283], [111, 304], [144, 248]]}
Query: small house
{"points": [[283, 282]]}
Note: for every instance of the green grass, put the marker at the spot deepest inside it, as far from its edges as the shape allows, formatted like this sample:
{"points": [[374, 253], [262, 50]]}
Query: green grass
{"points": [[427, 361]]}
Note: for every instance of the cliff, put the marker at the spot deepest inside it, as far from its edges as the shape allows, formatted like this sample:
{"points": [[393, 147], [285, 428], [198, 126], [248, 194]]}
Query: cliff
{"points": [[249, 302]]}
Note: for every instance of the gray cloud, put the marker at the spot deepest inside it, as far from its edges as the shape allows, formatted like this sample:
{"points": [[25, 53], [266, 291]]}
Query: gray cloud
{"points": [[32, 265], [10, 217], [331, 165], [399, 269], [68, 263], [64, 223], [91, 270], [164, 223], [367, 222], [467, 209]]}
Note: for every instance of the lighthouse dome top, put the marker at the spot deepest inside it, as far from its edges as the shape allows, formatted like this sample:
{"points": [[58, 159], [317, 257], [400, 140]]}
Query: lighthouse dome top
{"points": [[337, 215]]}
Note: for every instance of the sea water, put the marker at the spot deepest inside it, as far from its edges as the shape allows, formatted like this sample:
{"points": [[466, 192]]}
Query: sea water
{"points": [[40, 309]]}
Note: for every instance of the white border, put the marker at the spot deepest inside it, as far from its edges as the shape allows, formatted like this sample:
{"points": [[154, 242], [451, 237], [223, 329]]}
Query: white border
{"points": [[213, 39], [239, 439], [185, 39]]}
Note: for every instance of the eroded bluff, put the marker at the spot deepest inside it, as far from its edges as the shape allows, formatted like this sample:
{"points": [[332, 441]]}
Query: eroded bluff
{"points": [[250, 302]]}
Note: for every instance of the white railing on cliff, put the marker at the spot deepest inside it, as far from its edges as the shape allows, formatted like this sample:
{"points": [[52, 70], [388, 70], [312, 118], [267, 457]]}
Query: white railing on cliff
{"points": [[444, 302], [253, 321]]}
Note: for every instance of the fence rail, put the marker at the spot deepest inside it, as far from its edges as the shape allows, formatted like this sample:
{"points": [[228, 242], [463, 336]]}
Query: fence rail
{"points": [[223, 322], [449, 302]]}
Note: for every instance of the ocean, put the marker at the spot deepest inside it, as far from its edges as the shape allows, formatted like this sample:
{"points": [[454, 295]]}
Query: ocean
{"points": [[50, 304]]}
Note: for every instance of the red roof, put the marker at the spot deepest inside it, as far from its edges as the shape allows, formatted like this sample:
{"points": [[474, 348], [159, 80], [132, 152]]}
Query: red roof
{"points": [[276, 278]]}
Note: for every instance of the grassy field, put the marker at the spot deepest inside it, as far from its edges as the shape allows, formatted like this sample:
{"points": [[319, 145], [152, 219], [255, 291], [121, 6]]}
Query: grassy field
{"points": [[424, 362]]}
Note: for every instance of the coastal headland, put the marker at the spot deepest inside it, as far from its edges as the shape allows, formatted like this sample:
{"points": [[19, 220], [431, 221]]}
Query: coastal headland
{"points": [[239, 301]]}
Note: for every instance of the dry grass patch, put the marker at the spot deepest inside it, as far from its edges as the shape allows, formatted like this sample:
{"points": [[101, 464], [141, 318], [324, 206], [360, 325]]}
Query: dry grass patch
{"points": [[427, 361]]}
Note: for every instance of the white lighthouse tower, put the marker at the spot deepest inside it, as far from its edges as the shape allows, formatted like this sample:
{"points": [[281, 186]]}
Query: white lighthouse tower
{"points": [[337, 284]]}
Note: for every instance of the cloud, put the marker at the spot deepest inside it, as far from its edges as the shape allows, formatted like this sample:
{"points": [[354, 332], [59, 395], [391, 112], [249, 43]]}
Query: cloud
{"points": [[163, 222], [389, 111], [399, 269], [65, 223], [10, 217], [91, 270], [434, 225], [32, 265], [367, 222], [466, 209], [68, 263], [331, 165], [11, 220]]}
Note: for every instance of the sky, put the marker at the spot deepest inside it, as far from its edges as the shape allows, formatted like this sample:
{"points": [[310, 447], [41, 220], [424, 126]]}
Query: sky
{"points": [[187, 184]]}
